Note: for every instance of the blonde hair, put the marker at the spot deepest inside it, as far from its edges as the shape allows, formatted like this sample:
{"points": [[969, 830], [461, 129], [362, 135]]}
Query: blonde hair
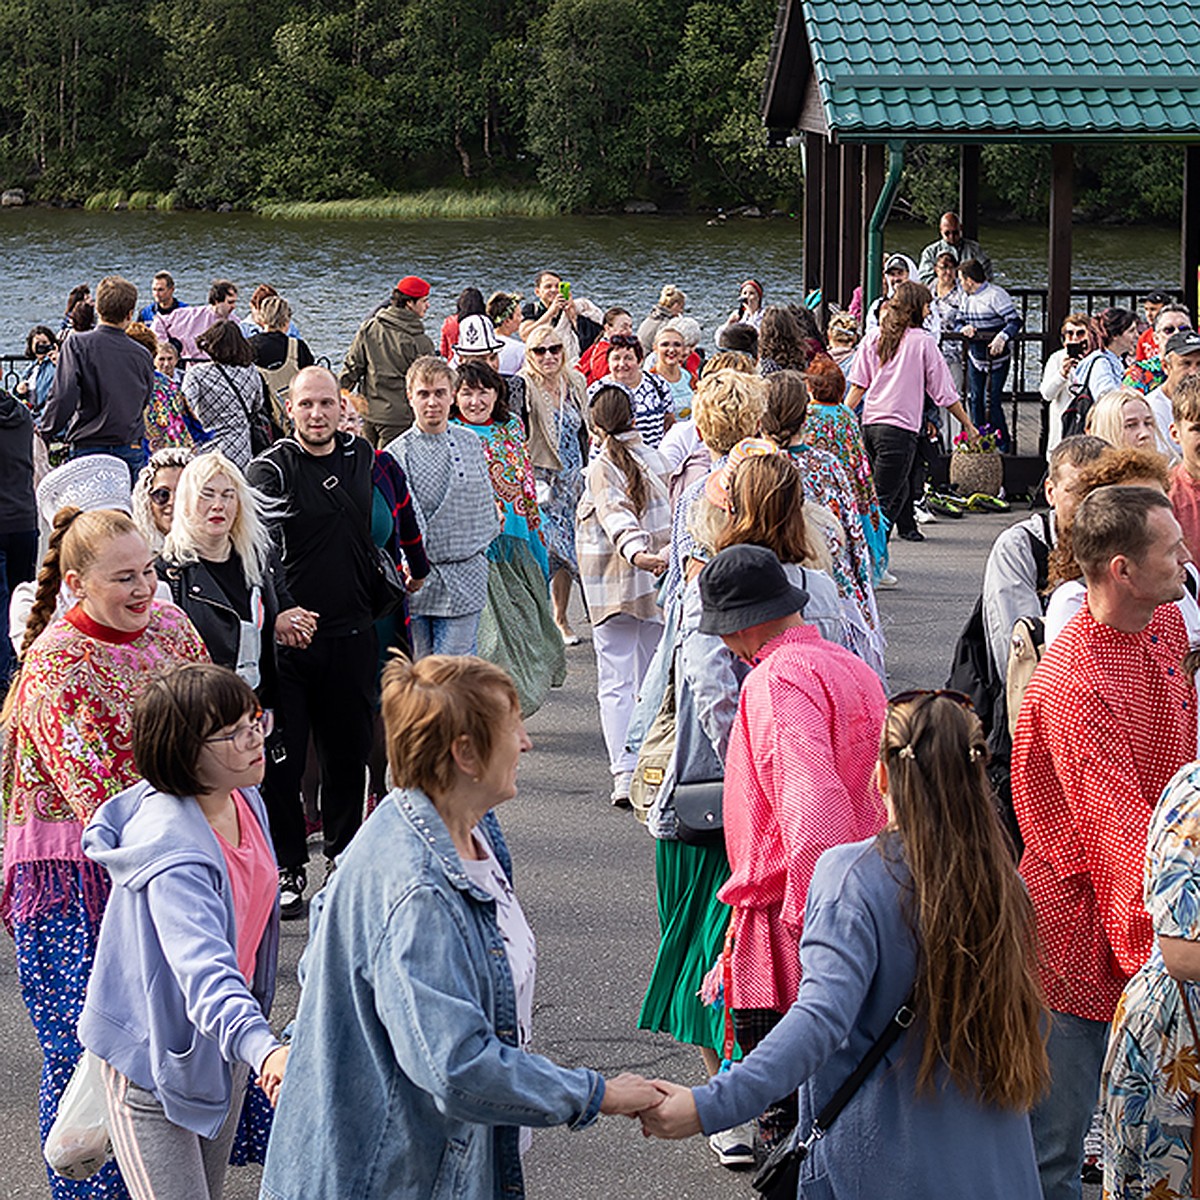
{"points": [[276, 313], [728, 406], [671, 295], [432, 703], [248, 532], [1107, 419]]}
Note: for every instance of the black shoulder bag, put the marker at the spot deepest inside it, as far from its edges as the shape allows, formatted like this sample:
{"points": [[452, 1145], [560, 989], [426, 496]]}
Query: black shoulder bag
{"points": [[779, 1177], [387, 589]]}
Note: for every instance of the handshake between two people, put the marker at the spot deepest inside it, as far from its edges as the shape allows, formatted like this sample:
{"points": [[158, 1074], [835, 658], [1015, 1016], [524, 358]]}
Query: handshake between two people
{"points": [[665, 1109]]}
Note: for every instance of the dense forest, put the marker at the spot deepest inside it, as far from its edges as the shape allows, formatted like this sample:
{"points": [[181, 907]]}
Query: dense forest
{"points": [[245, 102]]}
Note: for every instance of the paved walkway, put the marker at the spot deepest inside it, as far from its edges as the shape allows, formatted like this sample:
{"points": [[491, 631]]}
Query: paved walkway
{"points": [[585, 874]]}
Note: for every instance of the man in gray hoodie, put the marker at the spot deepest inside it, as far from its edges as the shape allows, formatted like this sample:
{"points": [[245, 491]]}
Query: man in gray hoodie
{"points": [[387, 343]]}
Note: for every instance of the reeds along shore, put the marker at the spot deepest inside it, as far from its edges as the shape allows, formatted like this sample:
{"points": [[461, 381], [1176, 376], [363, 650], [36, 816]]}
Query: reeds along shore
{"points": [[413, 206]]}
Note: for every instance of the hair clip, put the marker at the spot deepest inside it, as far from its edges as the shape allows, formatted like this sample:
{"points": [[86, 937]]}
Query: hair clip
{"points": [[977, 752], [906, 751]]}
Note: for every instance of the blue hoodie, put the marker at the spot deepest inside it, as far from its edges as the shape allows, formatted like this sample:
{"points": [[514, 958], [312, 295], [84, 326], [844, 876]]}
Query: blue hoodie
{"points": [[166, 1004]]}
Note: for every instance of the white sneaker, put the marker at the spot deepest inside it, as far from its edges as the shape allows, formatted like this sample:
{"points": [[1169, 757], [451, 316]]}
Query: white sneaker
{"points": [[922, 514], [886, 582], [734, 1147], [620, 792]]}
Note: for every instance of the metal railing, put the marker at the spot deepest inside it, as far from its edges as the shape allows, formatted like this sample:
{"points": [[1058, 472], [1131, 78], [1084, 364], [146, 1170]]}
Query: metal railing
{"points": [[1035, 343]]}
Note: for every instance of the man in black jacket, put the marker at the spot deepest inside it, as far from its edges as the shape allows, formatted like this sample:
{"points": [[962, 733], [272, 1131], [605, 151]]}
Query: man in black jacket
{"points": [[323, 478], [102, 384]]}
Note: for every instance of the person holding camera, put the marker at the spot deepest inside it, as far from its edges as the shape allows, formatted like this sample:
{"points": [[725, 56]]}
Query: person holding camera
{"points": [[553, 306], [1056, 376]]}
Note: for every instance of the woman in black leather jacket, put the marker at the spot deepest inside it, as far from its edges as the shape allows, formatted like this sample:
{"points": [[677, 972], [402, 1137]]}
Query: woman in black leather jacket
{"points": [[221, 568]]}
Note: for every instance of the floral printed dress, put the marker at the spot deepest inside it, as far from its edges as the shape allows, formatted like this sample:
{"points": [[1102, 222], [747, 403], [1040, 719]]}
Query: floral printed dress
{"points": [[1152, 1069], [834, 429]]}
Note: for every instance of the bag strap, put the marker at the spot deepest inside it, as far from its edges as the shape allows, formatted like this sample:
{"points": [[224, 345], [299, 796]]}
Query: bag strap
{"points": [[901, 1020], [237, 395], [355, 514]]}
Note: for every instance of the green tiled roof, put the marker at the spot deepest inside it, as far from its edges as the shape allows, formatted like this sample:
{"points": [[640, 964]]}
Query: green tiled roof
{"points": [[1027, 69]]}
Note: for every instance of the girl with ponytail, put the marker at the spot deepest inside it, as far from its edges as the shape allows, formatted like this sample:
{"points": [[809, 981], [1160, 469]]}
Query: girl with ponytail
{"points": [[67, 750], [931, 917], [622, 529]]}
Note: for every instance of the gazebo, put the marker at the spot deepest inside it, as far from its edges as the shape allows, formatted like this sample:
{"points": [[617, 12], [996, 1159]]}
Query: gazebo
{"points": [[861, 81]]}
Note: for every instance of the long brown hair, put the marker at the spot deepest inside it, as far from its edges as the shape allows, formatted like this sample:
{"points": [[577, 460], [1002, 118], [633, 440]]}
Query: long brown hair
{"points": [[767, 495], [904, 311], [1120, 465], [76, 540], [976, 989], [612, 415]]}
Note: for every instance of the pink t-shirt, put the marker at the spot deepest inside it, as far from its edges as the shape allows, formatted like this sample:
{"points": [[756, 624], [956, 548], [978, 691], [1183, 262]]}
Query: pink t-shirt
{"points": [[895, 391], [254, 880]]}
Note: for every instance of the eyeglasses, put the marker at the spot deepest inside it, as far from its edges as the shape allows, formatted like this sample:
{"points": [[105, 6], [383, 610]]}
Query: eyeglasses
{"points": [[161, 497], [959, 698], [245, 738], [541, 350], [1176, 329]]}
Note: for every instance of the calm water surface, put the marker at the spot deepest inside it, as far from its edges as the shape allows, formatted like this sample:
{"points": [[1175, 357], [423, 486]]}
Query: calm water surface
{"points": [[335, 272]]}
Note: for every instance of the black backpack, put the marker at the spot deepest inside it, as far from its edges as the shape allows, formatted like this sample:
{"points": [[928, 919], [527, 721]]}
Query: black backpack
{"points": [[973, 673], [1075, 415]]}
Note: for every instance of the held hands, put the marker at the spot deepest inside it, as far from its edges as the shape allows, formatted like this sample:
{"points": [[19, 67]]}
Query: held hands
{"points": [[656, 564], [674, 1116], [629, 1095], [295, 627], [271, 1078]]}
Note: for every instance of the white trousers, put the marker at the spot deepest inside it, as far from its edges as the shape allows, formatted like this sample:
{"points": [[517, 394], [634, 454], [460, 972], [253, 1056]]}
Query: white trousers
{"points": [[624, 646]]}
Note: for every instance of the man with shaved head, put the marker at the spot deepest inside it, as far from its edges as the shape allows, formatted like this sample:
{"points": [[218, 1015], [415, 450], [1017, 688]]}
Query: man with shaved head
{"points": [[951, 241]]}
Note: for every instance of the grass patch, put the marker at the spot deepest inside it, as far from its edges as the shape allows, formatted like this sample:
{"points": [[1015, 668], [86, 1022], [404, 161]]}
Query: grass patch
{"points": [[415, 206], [104, 201], [141, 201]]}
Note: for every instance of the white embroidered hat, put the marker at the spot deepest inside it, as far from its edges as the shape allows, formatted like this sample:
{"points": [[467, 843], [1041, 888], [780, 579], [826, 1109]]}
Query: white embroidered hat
{"points": [[477, 335], [93, 481]]}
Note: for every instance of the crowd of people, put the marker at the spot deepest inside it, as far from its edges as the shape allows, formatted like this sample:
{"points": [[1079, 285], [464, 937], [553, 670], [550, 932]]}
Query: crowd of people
{"points": [[274, 600]]}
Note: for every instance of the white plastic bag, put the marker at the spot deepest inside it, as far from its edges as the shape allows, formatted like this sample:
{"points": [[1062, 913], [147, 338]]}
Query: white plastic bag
{"points": [[78, 1144]]}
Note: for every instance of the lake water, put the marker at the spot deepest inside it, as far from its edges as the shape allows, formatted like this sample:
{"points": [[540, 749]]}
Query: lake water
{"points": [[335, 272]]}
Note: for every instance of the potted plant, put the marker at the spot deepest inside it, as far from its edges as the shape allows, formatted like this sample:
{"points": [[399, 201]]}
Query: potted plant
{"points": [[976, 466]]}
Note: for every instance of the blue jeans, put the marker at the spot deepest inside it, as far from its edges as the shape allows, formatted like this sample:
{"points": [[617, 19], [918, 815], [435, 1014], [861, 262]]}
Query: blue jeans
{"points": [[985, 387], [443, 635], [18, 564], [134, 457], [1060, 1120]]}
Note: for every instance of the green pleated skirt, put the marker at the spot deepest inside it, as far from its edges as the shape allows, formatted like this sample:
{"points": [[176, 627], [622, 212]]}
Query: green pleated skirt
{"points": [[692, 922]]}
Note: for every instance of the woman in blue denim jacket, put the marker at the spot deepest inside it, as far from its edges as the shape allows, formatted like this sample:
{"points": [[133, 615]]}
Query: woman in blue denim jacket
{"points": [[409, 1076]]}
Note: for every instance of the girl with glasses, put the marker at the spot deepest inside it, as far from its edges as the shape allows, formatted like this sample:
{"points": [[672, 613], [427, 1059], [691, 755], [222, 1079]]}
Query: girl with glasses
{"points": [[187, 951]]}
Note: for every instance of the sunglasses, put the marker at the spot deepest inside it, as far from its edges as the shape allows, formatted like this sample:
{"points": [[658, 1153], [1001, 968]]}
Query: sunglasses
{"points": [[959, 698], [161, 497], [540, 350], [1176, 329]]}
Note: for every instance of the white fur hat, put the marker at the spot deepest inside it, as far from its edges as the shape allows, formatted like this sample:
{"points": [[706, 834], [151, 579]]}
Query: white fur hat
{"points": [[91, 482]]}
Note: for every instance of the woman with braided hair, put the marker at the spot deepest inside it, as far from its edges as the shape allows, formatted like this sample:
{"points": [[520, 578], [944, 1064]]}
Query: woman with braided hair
{"points": [[67, 749], [622, 528]]}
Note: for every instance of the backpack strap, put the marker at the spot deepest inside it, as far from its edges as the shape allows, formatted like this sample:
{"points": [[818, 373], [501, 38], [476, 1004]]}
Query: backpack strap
{"points": [[1039, 547]]}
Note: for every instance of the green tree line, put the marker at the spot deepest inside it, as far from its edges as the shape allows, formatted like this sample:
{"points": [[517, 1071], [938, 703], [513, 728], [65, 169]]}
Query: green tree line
{"points": [[247, 102]]}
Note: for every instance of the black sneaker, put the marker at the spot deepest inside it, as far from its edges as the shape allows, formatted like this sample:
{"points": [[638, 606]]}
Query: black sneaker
{"points": [[911, 535], [292, 881]]}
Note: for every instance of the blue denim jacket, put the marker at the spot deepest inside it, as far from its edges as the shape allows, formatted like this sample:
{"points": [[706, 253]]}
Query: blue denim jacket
{"points": [[404, 1079]]}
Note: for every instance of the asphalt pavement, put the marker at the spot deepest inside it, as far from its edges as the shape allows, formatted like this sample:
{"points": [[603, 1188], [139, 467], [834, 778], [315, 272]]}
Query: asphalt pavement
{"points": [[585, 875]]}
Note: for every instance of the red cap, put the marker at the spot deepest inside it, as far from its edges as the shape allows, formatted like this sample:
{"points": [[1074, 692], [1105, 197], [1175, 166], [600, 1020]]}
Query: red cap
{"points": [[413, 286], [758, 287]]}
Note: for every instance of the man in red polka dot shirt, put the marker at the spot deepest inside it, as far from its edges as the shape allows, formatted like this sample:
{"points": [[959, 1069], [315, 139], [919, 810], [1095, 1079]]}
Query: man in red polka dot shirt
{"points": [[1107, 719]]}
